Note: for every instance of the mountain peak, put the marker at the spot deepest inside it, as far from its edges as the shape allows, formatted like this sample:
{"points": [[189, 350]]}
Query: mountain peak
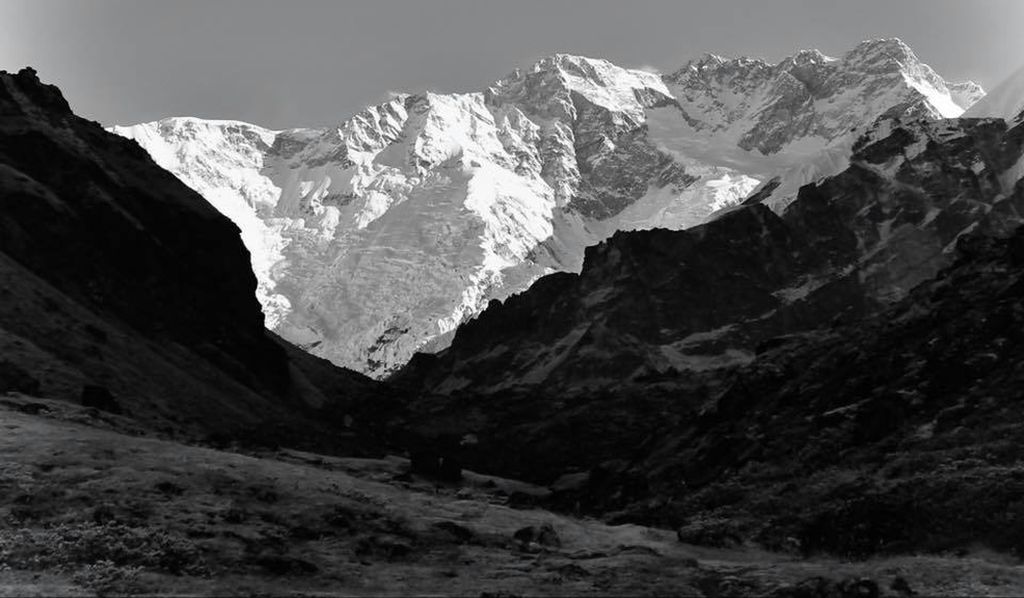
{"points": [[547, 86], [882, 50], [577, 69], [707, 60], [36, 94], [562, 60], [890, 51], [710, 62], [966, 93], [1006, 101], [811, 56], [889, 44]]}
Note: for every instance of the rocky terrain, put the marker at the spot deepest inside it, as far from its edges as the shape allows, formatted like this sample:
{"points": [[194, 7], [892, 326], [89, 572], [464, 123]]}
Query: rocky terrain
{"points": [[377, 237], [900, 427], [836, 379]]}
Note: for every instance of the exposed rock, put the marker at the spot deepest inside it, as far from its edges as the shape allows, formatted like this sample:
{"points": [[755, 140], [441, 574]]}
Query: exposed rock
{"points": [[716, 532], [540, 535]]}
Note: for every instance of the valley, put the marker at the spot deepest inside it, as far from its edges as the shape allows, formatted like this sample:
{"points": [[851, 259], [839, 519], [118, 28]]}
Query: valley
{"points": [[742, 329], [156, 517]]}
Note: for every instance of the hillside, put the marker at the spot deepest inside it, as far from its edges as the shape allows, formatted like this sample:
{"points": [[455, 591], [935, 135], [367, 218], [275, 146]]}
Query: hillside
{"points": [[125, 289]]}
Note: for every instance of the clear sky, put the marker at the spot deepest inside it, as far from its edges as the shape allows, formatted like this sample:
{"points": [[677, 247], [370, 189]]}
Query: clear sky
{"points": [[303, 63]]}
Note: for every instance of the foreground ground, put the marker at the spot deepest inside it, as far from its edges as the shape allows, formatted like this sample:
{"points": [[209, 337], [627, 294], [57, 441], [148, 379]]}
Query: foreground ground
{"points": [[89, 506]]}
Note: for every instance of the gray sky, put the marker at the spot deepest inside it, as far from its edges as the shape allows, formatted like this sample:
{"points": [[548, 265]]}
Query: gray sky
{"points": [[304, 63]]}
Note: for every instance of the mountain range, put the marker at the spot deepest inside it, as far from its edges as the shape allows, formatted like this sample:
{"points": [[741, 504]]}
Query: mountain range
{"points": [[376, 238]]}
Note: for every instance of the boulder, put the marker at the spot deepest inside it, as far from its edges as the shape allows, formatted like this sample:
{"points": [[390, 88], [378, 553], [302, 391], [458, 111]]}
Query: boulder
{"points": [[99, 397], [540, 535]]}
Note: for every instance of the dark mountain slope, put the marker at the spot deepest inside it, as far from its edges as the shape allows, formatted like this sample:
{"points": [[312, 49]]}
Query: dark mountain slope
{"points": [[897, 432], [835, 378], [660, 302], [119, 276]]}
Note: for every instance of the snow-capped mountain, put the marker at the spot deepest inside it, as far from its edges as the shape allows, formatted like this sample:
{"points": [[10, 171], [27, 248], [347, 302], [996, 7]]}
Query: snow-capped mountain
{"points": [[376, 237]]}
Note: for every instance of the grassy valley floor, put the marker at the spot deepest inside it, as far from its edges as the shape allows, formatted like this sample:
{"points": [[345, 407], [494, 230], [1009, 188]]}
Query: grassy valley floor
{"points": [[90, 505]]}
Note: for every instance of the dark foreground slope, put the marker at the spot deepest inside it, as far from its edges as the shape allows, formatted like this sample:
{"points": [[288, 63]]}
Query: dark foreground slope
{"points": [[116, 277]]}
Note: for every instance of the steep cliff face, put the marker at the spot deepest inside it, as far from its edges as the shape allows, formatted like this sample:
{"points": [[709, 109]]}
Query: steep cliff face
{"points": [[379, 236], [664, 303], [118, 275]]}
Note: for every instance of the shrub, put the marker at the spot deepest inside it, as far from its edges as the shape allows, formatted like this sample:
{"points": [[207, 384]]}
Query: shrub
{"points": [[69, 545], [105, 577]]}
